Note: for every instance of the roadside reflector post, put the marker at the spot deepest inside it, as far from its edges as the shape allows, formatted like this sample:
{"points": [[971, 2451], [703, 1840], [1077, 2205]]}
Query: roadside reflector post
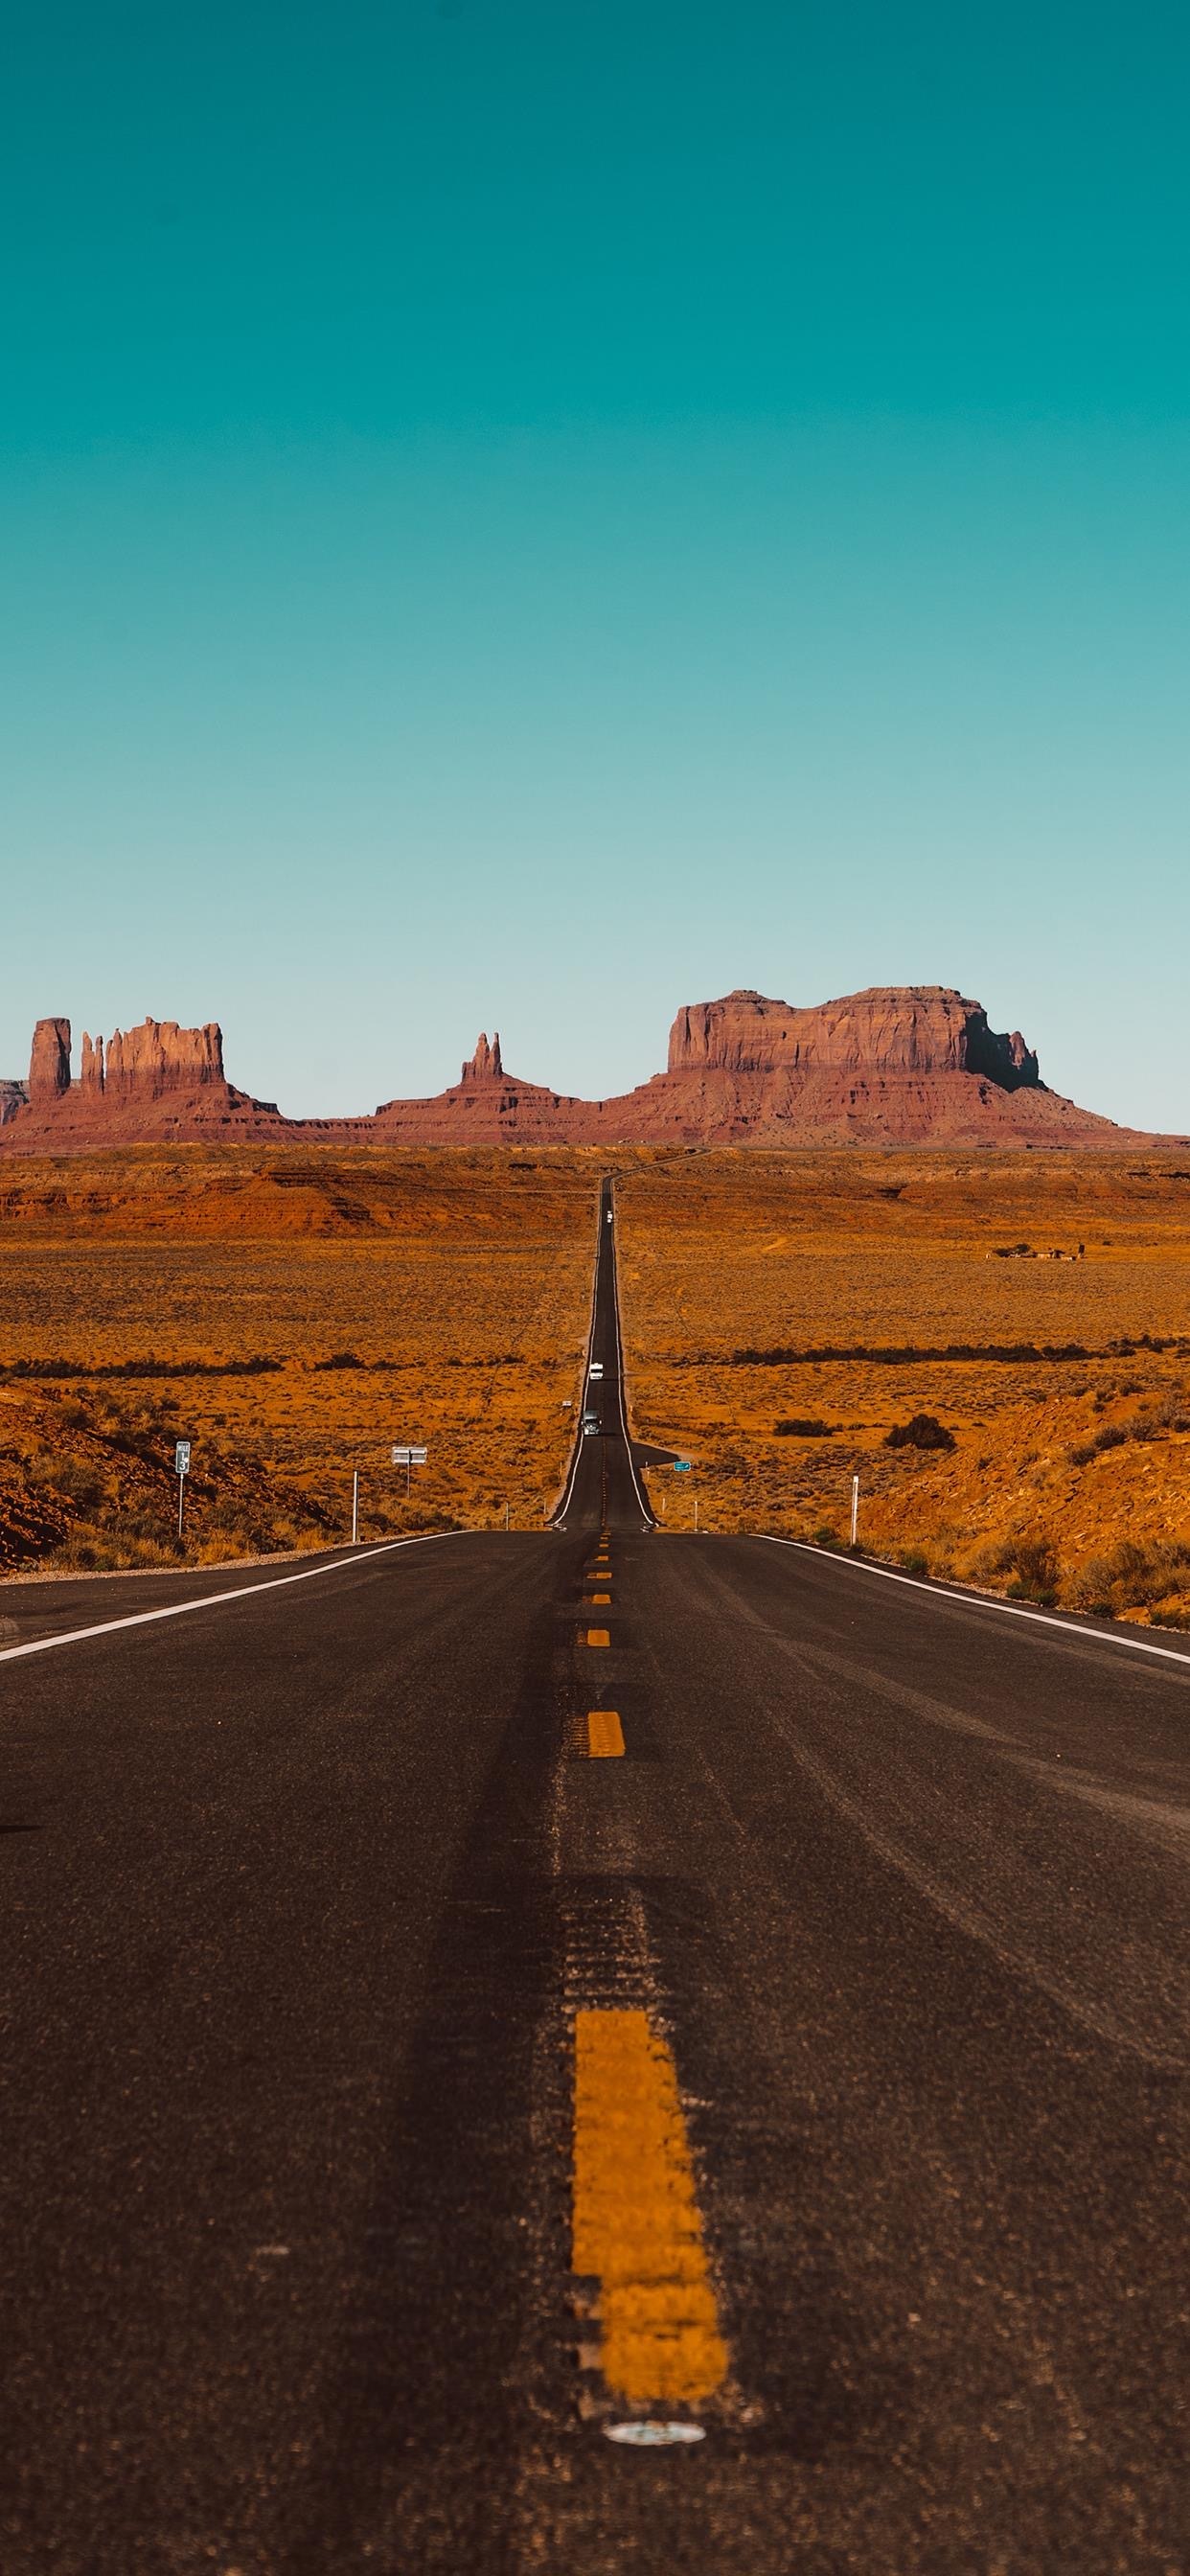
{"points": [[854, 1507], [181, 1471], [354, 1505]]}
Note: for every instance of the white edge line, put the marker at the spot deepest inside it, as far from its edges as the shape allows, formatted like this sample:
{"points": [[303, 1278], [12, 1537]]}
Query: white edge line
{"points": [[978, 1600], [213, 1600]]}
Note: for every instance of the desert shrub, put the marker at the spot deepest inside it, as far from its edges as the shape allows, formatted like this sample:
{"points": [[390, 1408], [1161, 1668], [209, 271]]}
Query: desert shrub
{"points": [[85, 1556], [914, 1560], [922, 1431], [74, 1478], [1170, 1414], [1130, 1577], [824, 1536], [802, 1427], [1091, 1588], [1033, 1567], [341, 1360], [1112, 1436]]}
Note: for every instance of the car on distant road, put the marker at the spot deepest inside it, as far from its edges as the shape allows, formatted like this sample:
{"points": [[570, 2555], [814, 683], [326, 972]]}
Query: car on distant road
{"points": [[590, 1424], [596, 1369]]}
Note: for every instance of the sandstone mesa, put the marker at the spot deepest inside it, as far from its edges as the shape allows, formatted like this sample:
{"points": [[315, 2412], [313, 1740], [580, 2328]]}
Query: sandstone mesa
{"points": [[896, 1065]]}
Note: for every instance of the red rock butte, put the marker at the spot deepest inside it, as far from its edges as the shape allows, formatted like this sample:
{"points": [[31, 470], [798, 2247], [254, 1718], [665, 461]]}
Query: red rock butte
{"points": [[896, 1065]]}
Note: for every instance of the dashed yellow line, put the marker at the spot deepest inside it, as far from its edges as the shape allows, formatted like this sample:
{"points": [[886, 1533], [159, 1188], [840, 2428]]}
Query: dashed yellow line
{"points": [[605, 1735], [599, 1636], [635, 2223], [598, 1600]]}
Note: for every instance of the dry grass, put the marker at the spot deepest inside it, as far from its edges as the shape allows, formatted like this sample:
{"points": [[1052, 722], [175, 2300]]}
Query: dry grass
{"points": [[729, 1255], [451, 1291], [340, 1306]]}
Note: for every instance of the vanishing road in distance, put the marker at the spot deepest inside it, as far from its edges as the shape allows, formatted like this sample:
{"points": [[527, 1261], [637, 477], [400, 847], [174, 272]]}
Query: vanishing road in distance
{"points": [[592, 2051]]}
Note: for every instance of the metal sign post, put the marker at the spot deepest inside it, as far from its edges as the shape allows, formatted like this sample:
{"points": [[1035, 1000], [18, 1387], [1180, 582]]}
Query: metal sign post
{"points": [[854, 1507], [181, 1471], [408, 1456]]}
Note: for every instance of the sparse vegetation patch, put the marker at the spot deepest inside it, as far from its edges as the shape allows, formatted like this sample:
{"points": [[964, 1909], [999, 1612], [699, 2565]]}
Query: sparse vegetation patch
{"points": [[922, 1431]]}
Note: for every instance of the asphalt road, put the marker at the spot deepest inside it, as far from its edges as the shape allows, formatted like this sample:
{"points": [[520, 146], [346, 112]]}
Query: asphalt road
{"points": [[314, 1898]]}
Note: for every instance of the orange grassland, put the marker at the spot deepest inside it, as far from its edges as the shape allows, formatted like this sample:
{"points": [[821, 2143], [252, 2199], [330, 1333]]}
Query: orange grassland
{"points": [[1070, 1477], [295, 1315]]}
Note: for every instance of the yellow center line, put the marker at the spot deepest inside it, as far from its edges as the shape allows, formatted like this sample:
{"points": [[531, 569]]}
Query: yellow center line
{"points": [[635, 2221], [605, 1735], [598, 1637], [596, 1599]]}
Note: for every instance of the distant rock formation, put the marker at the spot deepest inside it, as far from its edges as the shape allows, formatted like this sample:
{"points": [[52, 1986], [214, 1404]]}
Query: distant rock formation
{"points": [[159, 1057], [922, 1029], [485, 1064], [150, 1081], [49, 1064], [915, 1065]]}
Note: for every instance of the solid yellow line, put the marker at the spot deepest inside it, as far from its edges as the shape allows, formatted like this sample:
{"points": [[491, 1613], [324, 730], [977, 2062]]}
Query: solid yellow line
{"points": [[598, 1637], [605, 1735], [635, 2222]]}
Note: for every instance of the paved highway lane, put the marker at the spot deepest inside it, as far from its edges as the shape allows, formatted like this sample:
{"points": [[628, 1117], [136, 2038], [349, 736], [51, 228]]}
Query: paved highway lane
{"points": [[519, 1988], [605, 1486]]}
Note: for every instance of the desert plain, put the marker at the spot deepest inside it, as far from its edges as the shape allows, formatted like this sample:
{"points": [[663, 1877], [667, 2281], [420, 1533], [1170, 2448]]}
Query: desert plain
{"points": [[1025, 1315]]}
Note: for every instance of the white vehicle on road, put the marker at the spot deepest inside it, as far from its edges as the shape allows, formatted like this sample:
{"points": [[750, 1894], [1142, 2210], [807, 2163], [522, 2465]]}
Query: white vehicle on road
{"points": [[596, 1369]]}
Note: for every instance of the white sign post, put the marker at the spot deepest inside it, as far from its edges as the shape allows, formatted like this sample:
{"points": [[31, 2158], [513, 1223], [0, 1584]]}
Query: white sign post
{"points": [[181, 1471], [408, 1456], [854, 1507]]}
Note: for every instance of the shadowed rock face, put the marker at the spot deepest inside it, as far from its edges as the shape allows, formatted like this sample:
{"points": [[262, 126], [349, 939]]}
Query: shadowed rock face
{"points": [[924, 1029], [916, 1065]]}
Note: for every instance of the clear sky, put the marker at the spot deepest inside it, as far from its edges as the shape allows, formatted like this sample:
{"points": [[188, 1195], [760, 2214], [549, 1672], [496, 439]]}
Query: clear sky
{"points": [[533, 515]]}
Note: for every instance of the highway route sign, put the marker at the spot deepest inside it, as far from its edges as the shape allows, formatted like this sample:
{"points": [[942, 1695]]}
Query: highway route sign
{"points": [[182, 1458], [409, 1457]]}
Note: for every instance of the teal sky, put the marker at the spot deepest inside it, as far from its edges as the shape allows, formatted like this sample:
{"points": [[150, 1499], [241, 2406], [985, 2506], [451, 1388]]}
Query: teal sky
{"points": [[531, 516]]}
